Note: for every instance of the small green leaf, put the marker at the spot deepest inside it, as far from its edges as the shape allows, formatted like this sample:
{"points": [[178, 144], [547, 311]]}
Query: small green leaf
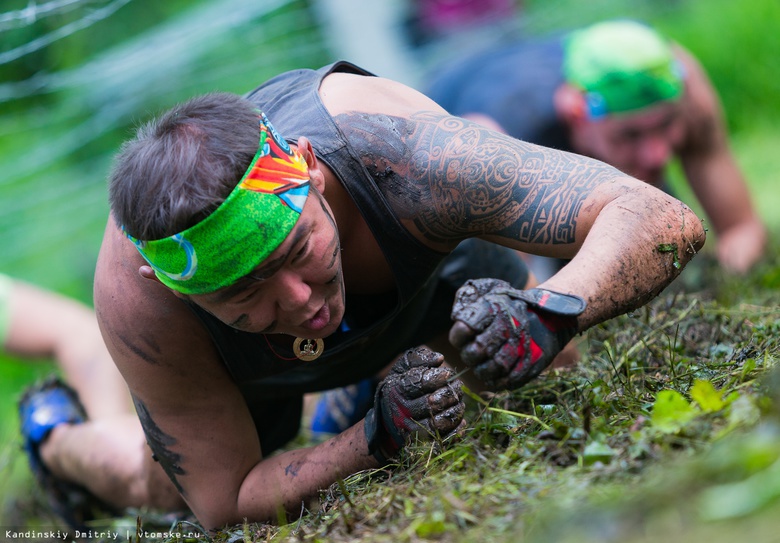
{"points": [[704, 394], [748, 366], [671, 411], [432, 526], [596, 451]]}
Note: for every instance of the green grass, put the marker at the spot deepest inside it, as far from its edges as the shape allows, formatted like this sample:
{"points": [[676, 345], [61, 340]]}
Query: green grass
{"points": [[757, 155], [14, 474]]}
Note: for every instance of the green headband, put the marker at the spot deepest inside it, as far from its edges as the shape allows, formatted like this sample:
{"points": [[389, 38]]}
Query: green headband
{"points": [[248, 226], [621, 66]]}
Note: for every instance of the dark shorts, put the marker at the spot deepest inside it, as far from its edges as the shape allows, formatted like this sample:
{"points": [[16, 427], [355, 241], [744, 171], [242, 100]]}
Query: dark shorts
{"points": [[278, 420]]}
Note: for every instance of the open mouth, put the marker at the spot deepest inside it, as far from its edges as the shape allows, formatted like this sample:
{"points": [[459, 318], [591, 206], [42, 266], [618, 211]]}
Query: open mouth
{"points": [[320, 319]]}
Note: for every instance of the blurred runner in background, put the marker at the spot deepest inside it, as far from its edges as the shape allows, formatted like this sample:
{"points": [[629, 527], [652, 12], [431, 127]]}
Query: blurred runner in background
{"points": [[619, 92]]}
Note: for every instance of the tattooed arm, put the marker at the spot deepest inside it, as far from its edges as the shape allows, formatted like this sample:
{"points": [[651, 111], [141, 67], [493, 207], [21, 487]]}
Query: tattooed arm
{"points": [[450, 179]]}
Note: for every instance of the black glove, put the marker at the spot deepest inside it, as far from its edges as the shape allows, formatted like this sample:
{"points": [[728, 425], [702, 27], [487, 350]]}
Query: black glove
{"points": [[507, 335], [418, 398]]}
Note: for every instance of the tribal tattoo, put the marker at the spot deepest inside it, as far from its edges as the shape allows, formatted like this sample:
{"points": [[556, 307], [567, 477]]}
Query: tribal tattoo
{"points": [[159, 442], [455, 178]]}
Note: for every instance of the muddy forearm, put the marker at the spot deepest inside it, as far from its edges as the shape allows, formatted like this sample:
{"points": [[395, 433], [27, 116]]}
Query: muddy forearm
{"points": [[287, 480], [639, 243]]}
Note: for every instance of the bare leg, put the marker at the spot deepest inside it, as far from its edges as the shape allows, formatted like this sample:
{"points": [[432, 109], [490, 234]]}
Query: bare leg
{"points": [[111, 459], [107, 454], [47, 324]]}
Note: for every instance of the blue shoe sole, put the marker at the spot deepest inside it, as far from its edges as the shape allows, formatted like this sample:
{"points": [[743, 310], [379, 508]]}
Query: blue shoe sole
{"points": [[43, 407]]}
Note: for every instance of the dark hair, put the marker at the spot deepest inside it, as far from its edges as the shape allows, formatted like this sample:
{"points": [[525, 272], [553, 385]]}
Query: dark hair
{"points": [[182, 166]]}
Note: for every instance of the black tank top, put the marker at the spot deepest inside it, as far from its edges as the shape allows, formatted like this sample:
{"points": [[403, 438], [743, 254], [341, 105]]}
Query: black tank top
{"points": [[380, 327]]}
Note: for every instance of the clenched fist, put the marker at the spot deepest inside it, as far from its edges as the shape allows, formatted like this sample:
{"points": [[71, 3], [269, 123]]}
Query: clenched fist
{"points": [[418, 398], [507, 335]]}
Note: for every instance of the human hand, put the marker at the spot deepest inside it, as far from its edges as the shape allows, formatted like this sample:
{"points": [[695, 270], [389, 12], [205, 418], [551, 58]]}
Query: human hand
{"points": [[741, 246], [418, 398], [507, 335]]}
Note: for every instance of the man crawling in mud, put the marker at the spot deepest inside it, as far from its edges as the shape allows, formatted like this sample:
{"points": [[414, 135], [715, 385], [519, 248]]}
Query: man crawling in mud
{"points": [[240, 270]]}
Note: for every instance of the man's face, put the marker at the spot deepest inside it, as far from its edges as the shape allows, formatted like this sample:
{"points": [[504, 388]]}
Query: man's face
{"points": [[640, 144], [298, 290]]}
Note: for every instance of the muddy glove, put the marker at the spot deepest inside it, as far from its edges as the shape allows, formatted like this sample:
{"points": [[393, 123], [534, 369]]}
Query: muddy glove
{"points": [[417, 398], [507, 335]]}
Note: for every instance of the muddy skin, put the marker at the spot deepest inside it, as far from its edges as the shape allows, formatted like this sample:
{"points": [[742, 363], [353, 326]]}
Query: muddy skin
{"points": [[388, 162], [670, 248], [292, 469], [139, 352], [633, 277], [159, 442]]}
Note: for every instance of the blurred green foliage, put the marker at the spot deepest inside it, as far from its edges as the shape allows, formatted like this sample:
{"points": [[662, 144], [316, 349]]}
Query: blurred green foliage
{"points": [[738, 44], [68, 107]]}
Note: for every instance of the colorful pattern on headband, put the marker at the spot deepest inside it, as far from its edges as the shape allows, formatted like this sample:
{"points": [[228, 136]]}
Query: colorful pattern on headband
{"points": [[247, 227]]}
